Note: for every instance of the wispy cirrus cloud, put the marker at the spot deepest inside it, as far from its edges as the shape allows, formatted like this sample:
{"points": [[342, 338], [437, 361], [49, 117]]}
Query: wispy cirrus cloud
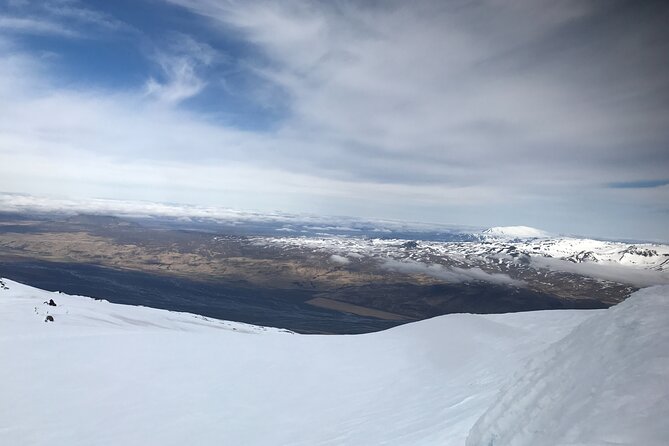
{"points": [[504, 95], [181, 62], [25, 25], [64, 18], [487, 113], [480, 87], [73, 11], [642, 184]]}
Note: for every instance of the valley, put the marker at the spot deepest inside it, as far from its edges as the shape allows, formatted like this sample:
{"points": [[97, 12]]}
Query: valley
{"points": [[311, 284]]}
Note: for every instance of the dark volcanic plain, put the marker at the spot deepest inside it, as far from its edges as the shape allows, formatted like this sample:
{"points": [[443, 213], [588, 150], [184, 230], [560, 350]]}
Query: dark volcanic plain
{"points": [[227, 275]]}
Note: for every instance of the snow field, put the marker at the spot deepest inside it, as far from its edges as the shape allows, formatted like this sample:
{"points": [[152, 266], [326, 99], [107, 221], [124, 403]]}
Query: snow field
{"points": [[105, 374]]}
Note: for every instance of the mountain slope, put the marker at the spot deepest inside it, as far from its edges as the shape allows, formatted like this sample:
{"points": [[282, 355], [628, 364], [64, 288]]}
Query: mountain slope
{"points": [[639, 264], [605, 383], [110, 374], [107, 374], [513, 233]]}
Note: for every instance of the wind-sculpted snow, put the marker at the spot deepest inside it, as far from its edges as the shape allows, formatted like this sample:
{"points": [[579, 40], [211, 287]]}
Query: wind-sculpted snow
{"points": [[606, 383], [108, 374]]}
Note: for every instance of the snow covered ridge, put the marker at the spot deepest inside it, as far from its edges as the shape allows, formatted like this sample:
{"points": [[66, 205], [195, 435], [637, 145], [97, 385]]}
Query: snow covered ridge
{"points": [[607, 382], [109, 374], [649, 256], [25, 304], [638, 264], [513, 233]]}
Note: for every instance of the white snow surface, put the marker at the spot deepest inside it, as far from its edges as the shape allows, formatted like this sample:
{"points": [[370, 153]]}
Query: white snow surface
{"points": [[109, 374], [514, 232], [606, 383]]}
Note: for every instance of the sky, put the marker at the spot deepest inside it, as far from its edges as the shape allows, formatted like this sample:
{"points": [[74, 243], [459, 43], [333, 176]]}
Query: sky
{"points": [[552, 114]]}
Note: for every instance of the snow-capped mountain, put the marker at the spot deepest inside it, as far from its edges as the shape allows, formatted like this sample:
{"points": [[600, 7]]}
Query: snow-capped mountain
{"points": [[510, 233], [638, 264], [647, 256], [102, 373], [532, 241]]}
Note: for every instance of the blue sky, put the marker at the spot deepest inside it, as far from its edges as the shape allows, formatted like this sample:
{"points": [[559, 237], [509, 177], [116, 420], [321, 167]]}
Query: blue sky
{"points": [[550, 114]]}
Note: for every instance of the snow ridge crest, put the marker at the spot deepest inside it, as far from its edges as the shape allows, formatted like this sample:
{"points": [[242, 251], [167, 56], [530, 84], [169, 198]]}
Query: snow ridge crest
{"points": [[604, 383]]}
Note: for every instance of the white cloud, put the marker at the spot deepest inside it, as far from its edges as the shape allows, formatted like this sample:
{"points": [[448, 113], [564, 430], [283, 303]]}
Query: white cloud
{"points": [[182, 82], [74, 12], [493, 113], [180, 63], [59, 18], [615, 273], [448, 274], [340, 260], [106, 143], [442, 93], [35, 26]]}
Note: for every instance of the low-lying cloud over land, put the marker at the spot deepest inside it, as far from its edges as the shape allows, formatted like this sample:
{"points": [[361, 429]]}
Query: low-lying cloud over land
{"points": [[340, 260], [285, 222], [448, 274], [612, 272]]}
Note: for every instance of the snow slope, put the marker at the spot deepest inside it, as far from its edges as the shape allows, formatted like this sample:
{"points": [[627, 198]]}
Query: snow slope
{"points": [[109, 374], [513, 233], [606, 383]]}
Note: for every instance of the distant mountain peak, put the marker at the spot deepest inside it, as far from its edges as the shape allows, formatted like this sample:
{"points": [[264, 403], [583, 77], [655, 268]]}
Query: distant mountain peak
{"points": [[515, 232]]}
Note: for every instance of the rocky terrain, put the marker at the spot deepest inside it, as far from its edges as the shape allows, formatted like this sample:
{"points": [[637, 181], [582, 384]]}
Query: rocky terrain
{"points": [[388, 280]]}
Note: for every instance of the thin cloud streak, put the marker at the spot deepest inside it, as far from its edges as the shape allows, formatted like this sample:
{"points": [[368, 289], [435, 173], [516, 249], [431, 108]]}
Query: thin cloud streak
{"points": [[32, 26]]}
